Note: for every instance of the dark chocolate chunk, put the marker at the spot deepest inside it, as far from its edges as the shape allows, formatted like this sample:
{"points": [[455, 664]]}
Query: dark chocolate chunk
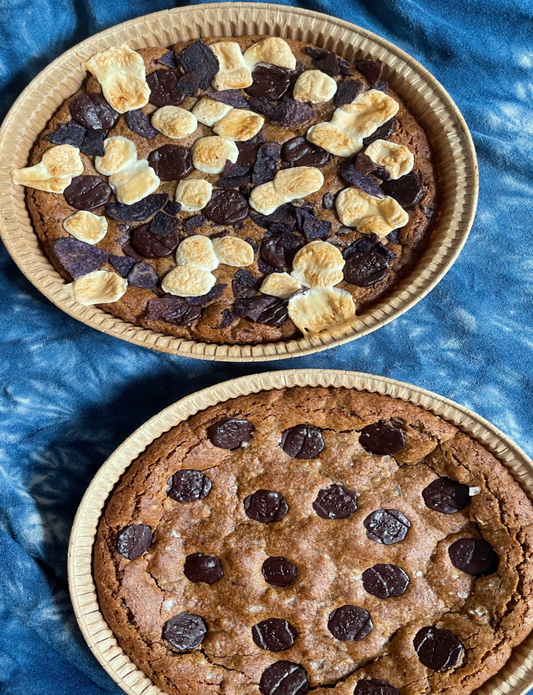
{"points": [[382, 133], [171, 162], [372, 69], [143, 275], [134, 540], [274, 634], [226, 207], [163, 224], [87, 192], [264, 268], [364, 164], [335, 502], [227, 318], [316, 53], [122, 264], [199, 58], [154, 245], [203, 568], [365, 183], [241, 291], [284, 678], [365, 269], [381, 172], [229, 182], [266, 162], [328, 201], [278, 571], [265, 506], [387, 526], [374, 686], [139, 123], [70, 133], [473, 556], [279, 250], [253, 307], [175, 310], [168, 59], [232, 170], [394, 236], [172, 208], [93, 143], [275, 314], [381, 86], [138, 212], [131, 252], [164, 89], [350, 623], [185, 631], [195, 221], [446, 496], [244, 284], [406, 190], [214, 293], [285, 213], [230, 433], [287, 112], [347, 91], [385, 581], [311, 226], [382, 438], [270, 81], [77, 257], [330, 65], [303, 153], [231, 97], [93, 112], [188, 485], [302, 441], [189, 84], [438, 649]]}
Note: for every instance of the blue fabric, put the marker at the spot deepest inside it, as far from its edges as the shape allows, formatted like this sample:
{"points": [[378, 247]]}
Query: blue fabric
{"points": [[69, 395]]}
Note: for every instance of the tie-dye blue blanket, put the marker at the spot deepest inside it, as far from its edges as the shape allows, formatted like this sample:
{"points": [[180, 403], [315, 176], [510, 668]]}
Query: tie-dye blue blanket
{"points": [[69, 395]]}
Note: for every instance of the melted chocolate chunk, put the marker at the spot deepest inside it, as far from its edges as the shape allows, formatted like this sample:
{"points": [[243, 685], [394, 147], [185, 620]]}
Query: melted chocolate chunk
{"points": [[199, 58], [473, 556], [284, 678], [171, 162], [185, 631], [175, 310], [226, 207], [302, 441], [407, 190], [244, 284], [231, 97], [93, 112], [93, 143], [134, 540], [139, 123], [312, 227], [437, 649], [387, 526], [366, 269], [300, 152], [287, 112], [279, 250], [350, 623], [278, 571], [266, 162], [164, 89], [77, 257], [70, 133], [87, 192], [274, 634], [385, 581], [364, 164], [365, 183], [230, 433], [215, 293], [137, 212], [446, 496], [203, 568], [275, 314], [270, 82], [144, 275], [374, 686], [188, 485], [382, 133], [265, 506], [382, 438], [154, 245], [335, 502], [122, 264], [372, 69], [347, 91], [253, 308]]}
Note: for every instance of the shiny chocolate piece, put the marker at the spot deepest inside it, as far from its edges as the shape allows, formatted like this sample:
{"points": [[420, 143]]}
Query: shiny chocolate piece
{"points": [[302, 441], [185, 631], [385, 581], [265, 506], [139, 123], [164, 88], [374, 686], [279, 572], [382, 438], [274, 634], [154, 245], [284, 678], [446, 496], [134, 540], [137, 212], [366, 269], [93, 112], [439, 650], [171, 162], [248, 150], [230, 433], [387, 526], [279, 250], [407, 190], [203, 568], [350, 623], [175, 310], [270, 81], [335, 502], [302, 153], [382, 133], [473, 556], [188, 485], [87, 192], [226, 207]]}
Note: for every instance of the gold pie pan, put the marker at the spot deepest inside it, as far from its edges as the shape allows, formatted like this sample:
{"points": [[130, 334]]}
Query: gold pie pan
{"points": [[515, 678], [448, 133]]}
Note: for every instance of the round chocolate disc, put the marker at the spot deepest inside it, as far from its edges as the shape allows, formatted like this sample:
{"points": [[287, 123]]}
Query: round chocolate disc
{"points": [[203, 568], [301, 153], [382, 438], [473, 556], [230, 433], [274, 634], [446, 496], [278, 571], [366, 269], [171, 162], [438, 649], [164, 88], [265, 506], [134, 540], [188, 485], [87, 192], [387, 526], [284, 678], [185, 631], [385, 581], [350, 623], [226, 207], [154, 245], [302, 441], [406, 190], [93, 111], [374, 686], [335, 502], [270, 82]]}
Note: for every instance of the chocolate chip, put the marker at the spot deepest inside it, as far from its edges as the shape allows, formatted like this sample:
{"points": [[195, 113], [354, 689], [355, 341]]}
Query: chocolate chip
{"points": [[199, 58], [311, 226], [163, 225], [275, 314], [122, 264], [446, 496], [394, 236], [387, 526], [230, 433], [131, 252], [365, 183], [302, 153], [227, 318], [168, 60], [335, 502], [287, 112], [70, 133], [374, 686], [185, 631], [87, 192], [279, 250], [154, 245], [164, 90], [265, 506], [366, 269], [473, 556], [350, 623], [93, 143], [274, 634], [278, 571], [328, 201], [139, 123], [316, 53], [372, 69], [347, 91], [385, 581], [231, 97], [266, 162], [137, 212], [330, 65], [189, 84], [284, 678], [214, 293], [382, 438], [438, 649], [302, 441], [382, 133], [203, 568], [229, 182], [253, 307], [188, 485], [132, 541], [143, 275], [242, 291], [270, 82], [171, 162], [77, 257], [407, 190], [195, 221], [226, 207], [93, 112], [364, 164], [175, 310]]}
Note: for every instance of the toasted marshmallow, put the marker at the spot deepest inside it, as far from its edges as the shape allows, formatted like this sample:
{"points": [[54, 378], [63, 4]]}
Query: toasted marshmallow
{"points": [[288, 185], [370, 110], [233, 73], [186, 281], [333, 139], [86, 226], [197, 251], [231, 250], [208, 111], [209, 154], [239, 125], [318, 264], [98, 287], [54, 172], [280, 285], [321, 309], [121, 73], [273, 51], [265, 199], [174, 122], [119, 153], [398, 160], [315, 87], [193, 194], [369, 214], [134, 183]]}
